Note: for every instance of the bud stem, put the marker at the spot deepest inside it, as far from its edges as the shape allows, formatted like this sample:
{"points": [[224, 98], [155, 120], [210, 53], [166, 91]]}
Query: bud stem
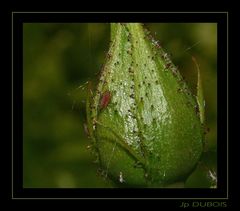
{"points": [[113, 30]]}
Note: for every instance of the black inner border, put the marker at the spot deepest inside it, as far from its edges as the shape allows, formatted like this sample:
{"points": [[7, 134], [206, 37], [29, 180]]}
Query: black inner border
{"points": [[17, 25]]}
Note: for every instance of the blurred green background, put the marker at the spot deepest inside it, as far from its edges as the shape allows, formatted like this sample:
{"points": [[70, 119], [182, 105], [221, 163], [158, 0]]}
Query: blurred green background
{"points": [[58, 58]]}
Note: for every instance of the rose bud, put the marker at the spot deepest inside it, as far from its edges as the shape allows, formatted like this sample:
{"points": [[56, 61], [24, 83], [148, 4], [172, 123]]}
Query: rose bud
{"points": [[146, 125]]}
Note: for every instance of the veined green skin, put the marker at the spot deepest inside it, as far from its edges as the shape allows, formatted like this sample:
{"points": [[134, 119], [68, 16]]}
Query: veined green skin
{"points": [[150, 133]]}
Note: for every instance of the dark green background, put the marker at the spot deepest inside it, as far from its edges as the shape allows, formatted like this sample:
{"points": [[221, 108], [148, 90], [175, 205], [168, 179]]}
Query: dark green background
{"points": [[58, 58]]}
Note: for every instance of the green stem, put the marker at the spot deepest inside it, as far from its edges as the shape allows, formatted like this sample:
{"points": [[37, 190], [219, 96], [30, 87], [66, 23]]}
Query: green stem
{"points": [[113, 30]]}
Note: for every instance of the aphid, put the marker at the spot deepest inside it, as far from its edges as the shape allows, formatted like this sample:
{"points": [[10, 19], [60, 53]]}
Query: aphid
{"points": [[109, 55], [212, 175], [207, 130], [165, 56], [86, 130], [174, 70], [137, 164], [89, 147], [158, 45], [179, 90], [196, 109], [168, 65], [94, 123], [121, 177], [106, 97]]}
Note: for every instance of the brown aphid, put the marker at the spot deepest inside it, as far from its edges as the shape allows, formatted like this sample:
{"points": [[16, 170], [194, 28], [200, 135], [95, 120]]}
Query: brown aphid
{"points": [[109, 55], [168, 65], [207, 130], [196, 109]]}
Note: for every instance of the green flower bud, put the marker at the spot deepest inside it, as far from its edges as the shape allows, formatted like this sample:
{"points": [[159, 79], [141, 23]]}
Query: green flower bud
{"points": [[144, 121]]}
